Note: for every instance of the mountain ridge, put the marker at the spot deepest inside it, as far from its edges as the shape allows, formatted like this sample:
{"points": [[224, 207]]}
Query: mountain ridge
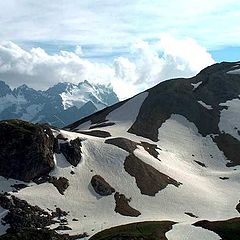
{"points": [[168, 157], [61, 104]]}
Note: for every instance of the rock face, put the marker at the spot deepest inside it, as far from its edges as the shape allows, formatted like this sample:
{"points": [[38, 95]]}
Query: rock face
{"points": [[26, 150], [101, 186], [72, 152]]}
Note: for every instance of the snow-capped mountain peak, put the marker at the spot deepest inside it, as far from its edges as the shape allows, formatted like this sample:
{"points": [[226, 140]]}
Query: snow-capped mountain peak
{"points": [[59, 105]]}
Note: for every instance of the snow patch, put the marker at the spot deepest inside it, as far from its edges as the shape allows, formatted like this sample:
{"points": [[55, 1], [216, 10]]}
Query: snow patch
{"points": [[229, 118], [209, 107], [196, 85], [190, 232]]}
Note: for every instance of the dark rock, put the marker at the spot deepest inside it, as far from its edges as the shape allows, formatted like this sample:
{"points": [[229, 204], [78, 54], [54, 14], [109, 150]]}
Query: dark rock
{"points": [[61, 137], [101, 186], [230, 147], [122, 206], [226, 229], [40, 234], [149, 180], [26, 150], [19, 186], [105, 124], [56, 148], [96, 133], [224, 178], [129, 145], [200, 163], [62, 228], [191, 215], [72, 151], [21, 215], [97, 118], [151, 149], [123, 143], [238, 207], [59, 213], [60, 183], [177, 97]]}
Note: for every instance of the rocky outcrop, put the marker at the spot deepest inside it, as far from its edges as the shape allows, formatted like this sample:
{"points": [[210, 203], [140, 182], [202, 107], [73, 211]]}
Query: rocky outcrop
{"points": [[100, 186], [26, 150], [123, 207], [22, 215], [96, 133], [29, 222], [61, 183], [72, 151], [149, 180], [230, 147]]}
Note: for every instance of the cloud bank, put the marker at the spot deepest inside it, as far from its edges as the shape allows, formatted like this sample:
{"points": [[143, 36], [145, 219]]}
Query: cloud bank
{"points": [[119, 22], [146, 65]]}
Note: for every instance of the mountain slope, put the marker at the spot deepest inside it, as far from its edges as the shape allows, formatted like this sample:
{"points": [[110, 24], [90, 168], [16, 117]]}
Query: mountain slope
{"points": [[169, 154], [58, 106]]}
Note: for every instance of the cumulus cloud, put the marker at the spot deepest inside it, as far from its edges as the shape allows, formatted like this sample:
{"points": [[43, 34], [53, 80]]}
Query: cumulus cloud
{"points": [[146, 65]]}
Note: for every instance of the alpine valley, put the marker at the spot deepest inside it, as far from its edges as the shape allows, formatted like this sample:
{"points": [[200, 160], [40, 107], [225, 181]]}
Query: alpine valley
{"points": [[163, 164]]}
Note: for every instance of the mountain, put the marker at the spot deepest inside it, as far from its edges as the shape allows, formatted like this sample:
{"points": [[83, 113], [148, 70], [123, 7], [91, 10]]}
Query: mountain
{"points": [[61, 104], [163, 164]]}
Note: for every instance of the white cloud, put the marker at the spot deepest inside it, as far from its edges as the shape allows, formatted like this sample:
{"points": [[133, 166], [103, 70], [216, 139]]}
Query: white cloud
{"points": [[115, 23], [146, 66]]}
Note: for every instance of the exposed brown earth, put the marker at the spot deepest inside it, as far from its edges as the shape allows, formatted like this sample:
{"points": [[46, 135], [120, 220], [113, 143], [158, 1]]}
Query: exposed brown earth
{"points": [[149, 180], [230, 146], [100, 186], [123, 207], [96, 133]]}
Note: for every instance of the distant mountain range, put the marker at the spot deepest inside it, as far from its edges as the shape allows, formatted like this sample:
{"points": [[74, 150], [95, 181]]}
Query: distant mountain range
{"points": [[59, 105]]}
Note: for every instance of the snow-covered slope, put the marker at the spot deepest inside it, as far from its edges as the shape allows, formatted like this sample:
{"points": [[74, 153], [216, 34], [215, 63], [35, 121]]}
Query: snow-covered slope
{"points": [[161, 155], [61, 104]]}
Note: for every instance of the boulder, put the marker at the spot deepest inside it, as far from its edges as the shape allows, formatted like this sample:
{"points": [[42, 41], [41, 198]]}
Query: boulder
{"points": [[26, 150], [101, 186], [72, 151]]}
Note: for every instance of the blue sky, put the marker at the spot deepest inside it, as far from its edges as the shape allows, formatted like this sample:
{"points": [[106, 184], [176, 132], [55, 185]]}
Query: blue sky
{"points": [[115, 37]]}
